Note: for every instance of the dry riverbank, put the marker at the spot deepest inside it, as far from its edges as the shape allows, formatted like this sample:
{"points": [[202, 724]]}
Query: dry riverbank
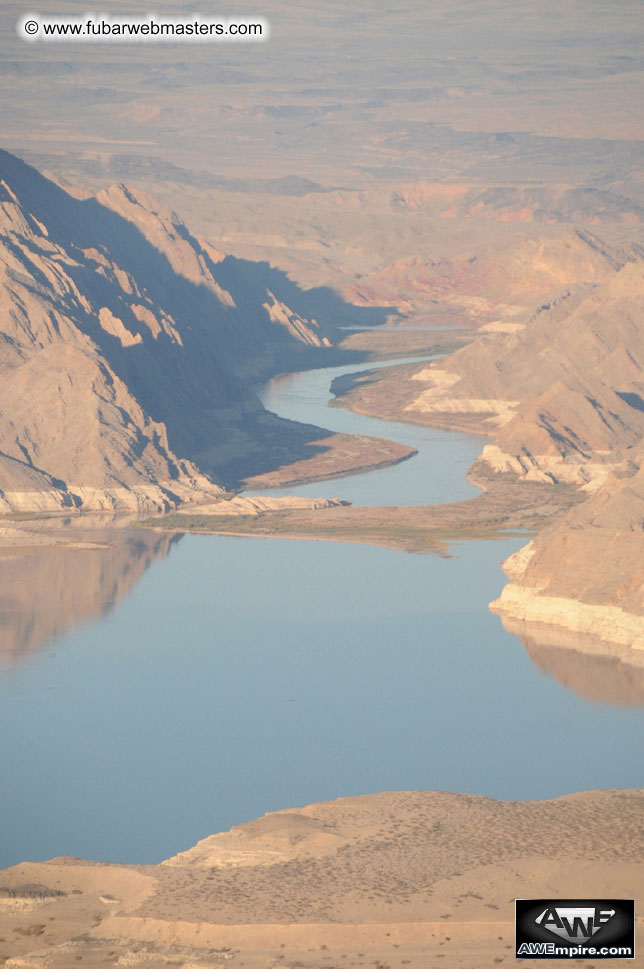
{"points": [[504, 506]]}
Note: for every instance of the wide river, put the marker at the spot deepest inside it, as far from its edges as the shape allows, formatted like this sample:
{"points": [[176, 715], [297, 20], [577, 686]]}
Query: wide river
{"points": [[159, 689]]}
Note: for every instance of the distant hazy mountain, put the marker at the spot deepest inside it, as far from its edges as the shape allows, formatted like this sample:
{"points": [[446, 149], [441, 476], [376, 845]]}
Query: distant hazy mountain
{"points": [[492, 283], [519, 203], [127, 348]]}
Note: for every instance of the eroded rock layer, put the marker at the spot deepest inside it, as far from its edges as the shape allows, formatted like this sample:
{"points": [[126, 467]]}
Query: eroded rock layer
{"points": [[559, 391], [127, 348]]}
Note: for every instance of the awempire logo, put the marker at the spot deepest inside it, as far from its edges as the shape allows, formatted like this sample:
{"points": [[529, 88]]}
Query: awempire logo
{"points": [[575, 928]]}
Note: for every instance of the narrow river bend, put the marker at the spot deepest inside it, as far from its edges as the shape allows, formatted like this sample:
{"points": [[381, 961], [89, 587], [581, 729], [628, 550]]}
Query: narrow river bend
{"points": [[155, 691], [435, 475]]}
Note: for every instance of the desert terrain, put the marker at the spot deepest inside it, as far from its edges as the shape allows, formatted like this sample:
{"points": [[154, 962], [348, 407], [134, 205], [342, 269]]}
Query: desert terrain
{"points": [[180, 224], [389, 880]]}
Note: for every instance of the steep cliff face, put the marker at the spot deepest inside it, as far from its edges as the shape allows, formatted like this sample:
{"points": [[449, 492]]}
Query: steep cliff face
{"points": [[586, 572], [561, 395], [126, 350], [563, 400]]}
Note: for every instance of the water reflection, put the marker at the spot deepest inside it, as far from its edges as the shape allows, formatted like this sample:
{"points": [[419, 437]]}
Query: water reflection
{"points": [[594, 670], [590, 667], [46, 591], [246, 675]]}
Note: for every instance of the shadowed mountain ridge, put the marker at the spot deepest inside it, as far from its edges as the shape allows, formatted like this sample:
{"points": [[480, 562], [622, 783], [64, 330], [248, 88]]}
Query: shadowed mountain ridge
{"points": [[129, 349]]}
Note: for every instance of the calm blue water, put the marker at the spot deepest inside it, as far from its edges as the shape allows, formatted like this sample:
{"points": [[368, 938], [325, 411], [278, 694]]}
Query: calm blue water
{"points": [[247, 675], [435, 475], [238, 676]]}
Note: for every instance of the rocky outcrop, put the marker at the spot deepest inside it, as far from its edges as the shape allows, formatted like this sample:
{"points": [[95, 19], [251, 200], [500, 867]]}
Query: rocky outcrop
{"points": [[562, 396], [563, 400], [610, 623], [127, 350], [586, 572]]}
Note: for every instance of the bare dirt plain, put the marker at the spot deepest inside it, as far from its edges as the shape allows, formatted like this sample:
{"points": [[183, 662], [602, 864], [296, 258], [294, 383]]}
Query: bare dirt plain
{"points": [[387, 880]]}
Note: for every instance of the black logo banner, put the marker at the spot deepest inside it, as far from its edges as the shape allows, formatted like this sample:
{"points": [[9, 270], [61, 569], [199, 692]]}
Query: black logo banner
{"points": [[568, 928]]}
